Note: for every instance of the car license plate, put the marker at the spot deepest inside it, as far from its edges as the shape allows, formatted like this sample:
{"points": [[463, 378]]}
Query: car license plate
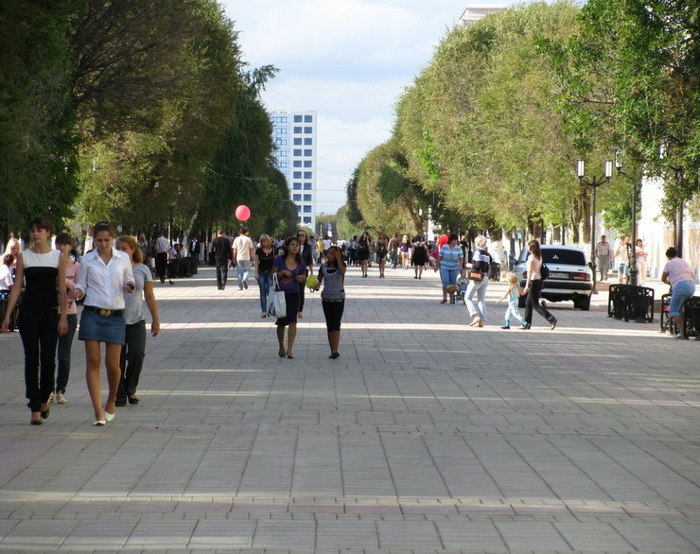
{"points": [[555, 275]]}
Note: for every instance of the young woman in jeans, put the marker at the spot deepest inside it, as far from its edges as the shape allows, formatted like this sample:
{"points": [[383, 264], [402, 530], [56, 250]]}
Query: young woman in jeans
{"points": [[264, 256], [41, 268]]}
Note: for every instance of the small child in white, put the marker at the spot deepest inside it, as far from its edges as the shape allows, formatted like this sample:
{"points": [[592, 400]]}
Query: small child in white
{"points": [[512, 295]]}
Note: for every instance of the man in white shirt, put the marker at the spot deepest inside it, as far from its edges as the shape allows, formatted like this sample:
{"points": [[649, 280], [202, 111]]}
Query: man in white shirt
{"points": [[602, 251], [162, 249], [243, 252]]}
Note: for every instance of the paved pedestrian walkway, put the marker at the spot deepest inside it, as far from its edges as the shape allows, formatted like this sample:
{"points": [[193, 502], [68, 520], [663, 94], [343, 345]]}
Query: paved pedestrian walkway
{"points": [[426, 435]]}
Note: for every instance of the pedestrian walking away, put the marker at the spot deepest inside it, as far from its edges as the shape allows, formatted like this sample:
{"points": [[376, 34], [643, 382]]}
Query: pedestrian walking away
{"points": [[41, 271]]}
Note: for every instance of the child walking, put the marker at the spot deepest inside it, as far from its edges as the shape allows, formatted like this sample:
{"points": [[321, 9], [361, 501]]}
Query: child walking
{"points": [[512, 295]]}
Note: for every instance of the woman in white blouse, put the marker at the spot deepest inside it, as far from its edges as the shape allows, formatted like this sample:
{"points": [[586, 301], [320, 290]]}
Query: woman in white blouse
{"points": [[105, 274]]}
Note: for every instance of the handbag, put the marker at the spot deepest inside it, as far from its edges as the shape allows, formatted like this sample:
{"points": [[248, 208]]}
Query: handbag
{"points": [[544, 272], [476, 275], [276, 302]]}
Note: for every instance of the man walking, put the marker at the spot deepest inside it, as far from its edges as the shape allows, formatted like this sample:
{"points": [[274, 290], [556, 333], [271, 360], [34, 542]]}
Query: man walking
{"points": [[602, 254], [221, 248], [162, 250], [243, 252], [622, 255]]}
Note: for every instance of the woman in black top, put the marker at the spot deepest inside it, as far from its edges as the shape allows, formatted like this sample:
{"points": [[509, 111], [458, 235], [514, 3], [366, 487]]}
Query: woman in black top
{"points": [[419, 258], [40, 268], [363, 251], [307, 256], [264, 256]]}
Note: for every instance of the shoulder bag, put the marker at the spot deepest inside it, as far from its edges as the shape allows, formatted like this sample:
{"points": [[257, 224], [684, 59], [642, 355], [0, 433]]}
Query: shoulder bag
{"points": [[276, 302]]}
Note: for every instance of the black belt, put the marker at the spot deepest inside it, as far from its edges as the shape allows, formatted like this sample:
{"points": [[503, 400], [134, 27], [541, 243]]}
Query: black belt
{"points": [[104, 312]]}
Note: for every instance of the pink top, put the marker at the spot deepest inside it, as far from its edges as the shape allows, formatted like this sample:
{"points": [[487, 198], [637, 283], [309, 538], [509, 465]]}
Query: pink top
{"points": [[677, 270], [71, 278]]}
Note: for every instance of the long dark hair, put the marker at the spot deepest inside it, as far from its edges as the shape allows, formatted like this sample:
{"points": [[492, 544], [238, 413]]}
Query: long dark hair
{"points": [[286, 248], [534, 247]]}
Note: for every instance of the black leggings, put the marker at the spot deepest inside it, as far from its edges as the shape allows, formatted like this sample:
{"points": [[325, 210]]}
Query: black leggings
{"points": [[533, 302], [333, 311]]}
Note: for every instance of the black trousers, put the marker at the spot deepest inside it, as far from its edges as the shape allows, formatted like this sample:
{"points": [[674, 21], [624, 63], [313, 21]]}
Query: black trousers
{"points": [[131, 361], [333, 311], [533, 302], [39, 332], [221, 273], [162, 265]]}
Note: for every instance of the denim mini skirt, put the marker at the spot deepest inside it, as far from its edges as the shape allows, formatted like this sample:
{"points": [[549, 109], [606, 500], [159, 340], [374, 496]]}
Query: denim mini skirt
{"points": [[104, 329]]}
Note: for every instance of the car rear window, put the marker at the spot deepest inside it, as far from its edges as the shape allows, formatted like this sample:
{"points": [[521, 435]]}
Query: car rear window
{"points": [[571, 257]]}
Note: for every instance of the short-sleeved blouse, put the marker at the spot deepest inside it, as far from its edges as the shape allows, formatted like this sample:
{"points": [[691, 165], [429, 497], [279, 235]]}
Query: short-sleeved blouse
{"points": [[289, 285]]}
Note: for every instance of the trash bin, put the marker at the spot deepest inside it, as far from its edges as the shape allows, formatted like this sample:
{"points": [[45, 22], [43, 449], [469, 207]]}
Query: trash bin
{"points": [[631, 302]]}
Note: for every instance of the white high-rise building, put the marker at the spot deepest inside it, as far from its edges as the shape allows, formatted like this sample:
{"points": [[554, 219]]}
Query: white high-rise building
{"points": [[295, 138]]}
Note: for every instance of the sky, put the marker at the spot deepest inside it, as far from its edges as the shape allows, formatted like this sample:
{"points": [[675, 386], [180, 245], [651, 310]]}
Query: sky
{"points": [[349, 60]]}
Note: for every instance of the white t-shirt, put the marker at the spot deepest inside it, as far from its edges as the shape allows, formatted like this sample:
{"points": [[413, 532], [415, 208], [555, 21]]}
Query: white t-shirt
{"points": [[242, 245]]}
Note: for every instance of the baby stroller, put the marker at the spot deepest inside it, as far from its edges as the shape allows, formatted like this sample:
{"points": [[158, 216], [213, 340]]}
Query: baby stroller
{"points": [[461, 294]]}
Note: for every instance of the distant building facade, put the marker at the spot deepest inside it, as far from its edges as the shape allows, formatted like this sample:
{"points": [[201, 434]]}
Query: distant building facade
{"points": [[296, 140], [475, 13]]}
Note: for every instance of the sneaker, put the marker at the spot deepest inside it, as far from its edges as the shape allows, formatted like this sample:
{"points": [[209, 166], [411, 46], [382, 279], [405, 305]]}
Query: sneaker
{"points": [[245, 284], [60, 399], [52, 398]]}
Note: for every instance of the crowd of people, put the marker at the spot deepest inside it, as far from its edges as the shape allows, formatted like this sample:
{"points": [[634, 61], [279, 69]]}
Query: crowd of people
{"points": [[42, 286]]}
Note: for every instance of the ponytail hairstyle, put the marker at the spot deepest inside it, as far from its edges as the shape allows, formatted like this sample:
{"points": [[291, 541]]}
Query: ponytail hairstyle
{"points": [[137, 255]]}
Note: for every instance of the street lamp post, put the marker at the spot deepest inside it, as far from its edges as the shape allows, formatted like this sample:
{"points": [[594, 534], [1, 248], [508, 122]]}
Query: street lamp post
{"points": [[633, 271], [594, 183]]}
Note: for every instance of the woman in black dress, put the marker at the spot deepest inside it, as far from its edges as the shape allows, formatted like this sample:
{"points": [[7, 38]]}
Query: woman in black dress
{"points": [[363, 252], [419, 257]]}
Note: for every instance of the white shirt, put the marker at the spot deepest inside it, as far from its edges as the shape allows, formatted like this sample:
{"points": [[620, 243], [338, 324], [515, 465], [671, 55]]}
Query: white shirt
{"points": [[103, 284], [242, 245], [5, 277], [162, 245]]}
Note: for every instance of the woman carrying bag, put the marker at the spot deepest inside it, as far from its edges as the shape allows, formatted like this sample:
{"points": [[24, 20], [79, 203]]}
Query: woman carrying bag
{"points": [[290, 271]]}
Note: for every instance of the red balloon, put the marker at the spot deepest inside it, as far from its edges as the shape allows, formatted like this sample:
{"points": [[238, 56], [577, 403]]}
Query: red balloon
{"points": [[242, 213]]}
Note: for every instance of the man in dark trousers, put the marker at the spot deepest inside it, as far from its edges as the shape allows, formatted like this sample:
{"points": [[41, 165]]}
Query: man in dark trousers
{"points": [[223, 252], [194, 255]]}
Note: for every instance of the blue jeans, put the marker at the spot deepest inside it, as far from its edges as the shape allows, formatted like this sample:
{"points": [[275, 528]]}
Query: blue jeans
{"points": [[448, 276], [264, 284], [680, 292], [65, 343], [243, 270], [478, 287]]}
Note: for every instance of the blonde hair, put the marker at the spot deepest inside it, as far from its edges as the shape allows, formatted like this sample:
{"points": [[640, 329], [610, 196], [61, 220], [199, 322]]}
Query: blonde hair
{"points": [[263, 237], [12, 243], [512, 279], [137, 255], [480, 241]]}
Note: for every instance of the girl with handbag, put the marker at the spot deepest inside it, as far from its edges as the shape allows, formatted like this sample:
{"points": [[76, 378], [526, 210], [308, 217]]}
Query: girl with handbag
{"points": [[533, 287], [291, 273]]}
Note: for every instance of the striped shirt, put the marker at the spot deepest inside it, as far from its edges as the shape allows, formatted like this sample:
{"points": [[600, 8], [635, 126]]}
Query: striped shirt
{"points": [[449, 257]]}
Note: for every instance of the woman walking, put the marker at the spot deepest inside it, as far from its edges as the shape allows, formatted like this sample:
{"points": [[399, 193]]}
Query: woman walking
{"points": [[105, 275], [533, 287], [332, 275], [291, 273], [419, 257], [40, 270], [405, 251], [381, 248], [134, 349], [478, 281], [64, 243], [264, 256], [363, 244], [451, 258], [307, 256]]}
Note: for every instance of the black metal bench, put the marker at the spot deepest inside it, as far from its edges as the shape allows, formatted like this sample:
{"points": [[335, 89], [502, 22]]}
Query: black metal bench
{"points": [[631, 302]]}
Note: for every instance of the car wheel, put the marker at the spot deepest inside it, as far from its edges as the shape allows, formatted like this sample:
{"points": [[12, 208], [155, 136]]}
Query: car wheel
{"points": [[584, 303]]}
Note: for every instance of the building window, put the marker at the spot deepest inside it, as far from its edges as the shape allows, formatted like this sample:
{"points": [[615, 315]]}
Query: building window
{"points": [[281, 119], [308, 163], [296, 175], [308, 152], [297, 151], [297, 142], [297, 130], [307, 209], [307, 220], [297, 119], [297, 186], [296, 163], [307, 198], [282, 131], [308, 141], [282, 152], [307, 186], [308, 118], [297, 197], [282, 164], [299, 209], [307, 175], [307, 130]]}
